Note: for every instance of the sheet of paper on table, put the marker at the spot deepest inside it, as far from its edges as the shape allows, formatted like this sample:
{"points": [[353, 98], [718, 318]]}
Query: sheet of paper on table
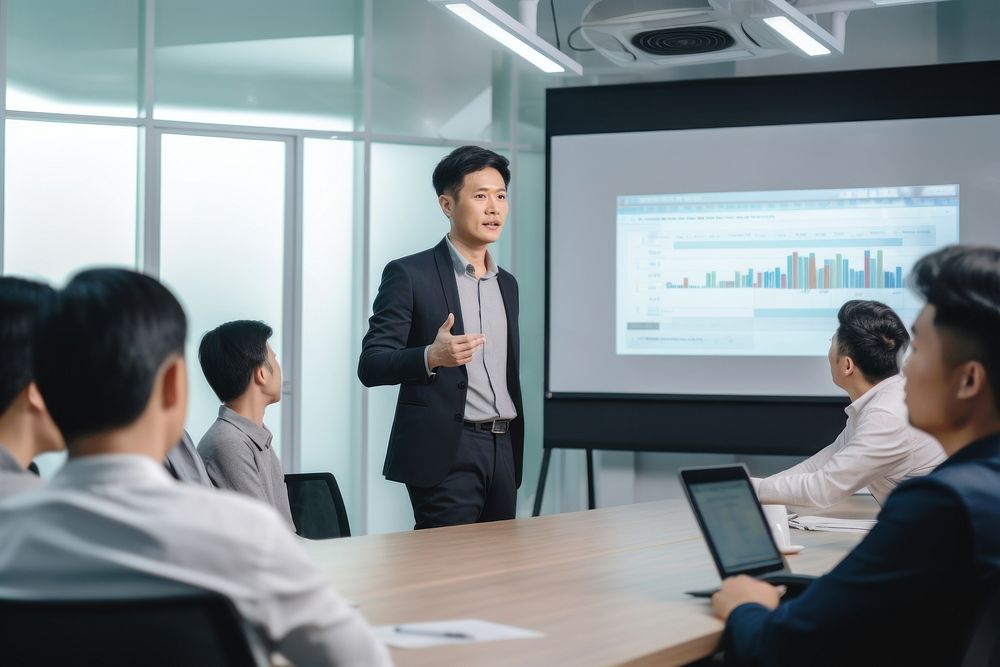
{"points": [[440, 633]]}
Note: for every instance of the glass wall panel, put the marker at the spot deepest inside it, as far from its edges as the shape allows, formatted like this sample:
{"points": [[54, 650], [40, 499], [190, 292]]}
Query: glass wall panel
{"points": [[255, 62], [222, 238], [331, 396], [69, 198], [69, 203], [67, 56], [528, 198], [418, 88]]}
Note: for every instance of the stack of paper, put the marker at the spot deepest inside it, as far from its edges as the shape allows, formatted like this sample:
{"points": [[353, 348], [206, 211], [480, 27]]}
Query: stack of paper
{"points": [[831, 524]]}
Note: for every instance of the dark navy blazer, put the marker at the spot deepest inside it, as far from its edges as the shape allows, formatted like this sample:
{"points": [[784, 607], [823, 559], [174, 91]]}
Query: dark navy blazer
{"points": [[413, 301], [908, 594]]}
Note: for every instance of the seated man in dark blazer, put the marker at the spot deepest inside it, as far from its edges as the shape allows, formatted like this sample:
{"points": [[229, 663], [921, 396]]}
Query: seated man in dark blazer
{"points": [[444, 328], [910, 592]]}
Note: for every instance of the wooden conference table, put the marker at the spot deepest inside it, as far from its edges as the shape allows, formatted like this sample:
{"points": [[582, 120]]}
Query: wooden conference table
{"points": [[605, 586]]}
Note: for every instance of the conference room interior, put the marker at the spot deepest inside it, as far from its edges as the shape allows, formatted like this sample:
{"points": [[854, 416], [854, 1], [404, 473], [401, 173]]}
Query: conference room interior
{"points": [[266, 160]]}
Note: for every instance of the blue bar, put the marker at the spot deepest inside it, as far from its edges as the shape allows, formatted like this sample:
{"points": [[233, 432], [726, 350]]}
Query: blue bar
{"points": [[843, 275], [899, 276], [795, 312], [791, 245]]}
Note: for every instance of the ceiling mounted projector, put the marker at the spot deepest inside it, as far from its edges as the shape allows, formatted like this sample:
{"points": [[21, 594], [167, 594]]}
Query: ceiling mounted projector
{"points": [[644, 33], [652, 33]]}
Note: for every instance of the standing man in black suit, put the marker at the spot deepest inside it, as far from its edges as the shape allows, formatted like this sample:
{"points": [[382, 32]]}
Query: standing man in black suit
{"points": [[444, 328]]}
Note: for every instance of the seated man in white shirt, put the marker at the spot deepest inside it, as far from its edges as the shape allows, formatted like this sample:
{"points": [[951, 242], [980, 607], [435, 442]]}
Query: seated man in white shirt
{"points": [[878, 448], [26, 429], [113, 524]]}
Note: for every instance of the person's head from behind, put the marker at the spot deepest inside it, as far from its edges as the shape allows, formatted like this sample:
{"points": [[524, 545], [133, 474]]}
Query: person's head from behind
{"points": [[109, 359], [471, 184], [953, 371], [24, 417], [238, 362], [867, 344]]}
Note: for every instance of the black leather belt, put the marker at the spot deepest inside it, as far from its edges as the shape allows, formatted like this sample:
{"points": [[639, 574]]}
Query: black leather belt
{"points": [[494, 426]]}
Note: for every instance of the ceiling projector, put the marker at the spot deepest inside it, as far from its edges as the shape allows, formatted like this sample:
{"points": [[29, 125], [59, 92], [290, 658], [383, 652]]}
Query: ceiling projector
{"points": [[642, 33]]}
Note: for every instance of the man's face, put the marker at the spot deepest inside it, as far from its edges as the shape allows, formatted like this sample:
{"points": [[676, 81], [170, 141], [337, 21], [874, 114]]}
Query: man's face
{"points": [[478, 211], [931, 382], [272, 377]]}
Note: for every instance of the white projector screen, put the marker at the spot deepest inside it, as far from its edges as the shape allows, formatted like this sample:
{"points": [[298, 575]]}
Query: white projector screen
{"points": [[713, 261]]}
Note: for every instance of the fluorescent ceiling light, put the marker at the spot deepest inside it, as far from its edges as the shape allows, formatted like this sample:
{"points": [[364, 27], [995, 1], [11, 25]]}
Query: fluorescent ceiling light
{"points": [[496, 23], [796, 36]]}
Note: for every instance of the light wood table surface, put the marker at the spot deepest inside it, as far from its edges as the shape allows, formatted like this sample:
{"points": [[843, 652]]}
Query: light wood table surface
{"points": [[605, 586]]}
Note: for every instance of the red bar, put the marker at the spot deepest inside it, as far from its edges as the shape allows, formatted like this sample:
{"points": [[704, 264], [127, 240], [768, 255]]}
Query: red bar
{"points": [[784, 282], [685, 282], [795, 270], [868, 277], [812, 273], [760, 279]]}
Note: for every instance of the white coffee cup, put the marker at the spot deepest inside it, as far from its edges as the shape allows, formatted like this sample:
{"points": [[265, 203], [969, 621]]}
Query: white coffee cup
{"points": [[777, 521]]}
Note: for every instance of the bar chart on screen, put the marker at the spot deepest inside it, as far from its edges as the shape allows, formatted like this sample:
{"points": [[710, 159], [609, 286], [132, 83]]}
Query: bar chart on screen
{"points": [[764, 273]]}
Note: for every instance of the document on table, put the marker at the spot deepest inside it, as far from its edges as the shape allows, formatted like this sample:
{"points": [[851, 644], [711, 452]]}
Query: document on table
{"points": [[831, 524], [440, 633]]}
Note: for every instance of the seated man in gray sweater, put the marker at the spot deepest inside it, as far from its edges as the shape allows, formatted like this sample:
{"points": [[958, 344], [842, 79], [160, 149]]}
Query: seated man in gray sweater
{"points": [[243, 371]]}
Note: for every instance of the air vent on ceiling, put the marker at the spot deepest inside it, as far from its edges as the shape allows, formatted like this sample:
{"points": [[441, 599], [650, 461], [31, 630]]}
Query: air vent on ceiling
{"points": [[682, 41]]}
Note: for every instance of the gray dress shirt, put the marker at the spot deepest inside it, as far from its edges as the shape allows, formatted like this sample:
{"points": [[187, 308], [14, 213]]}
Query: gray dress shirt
{"points": [[483, 312], [238, 456], [14, 478], [184, 463]]}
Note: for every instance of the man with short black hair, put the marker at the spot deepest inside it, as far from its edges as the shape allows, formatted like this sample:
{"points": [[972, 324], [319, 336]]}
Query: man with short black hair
{"points": [[26, 428], [112, 523], [878, 447], [909, 592], [444, 328], [243, 371]]}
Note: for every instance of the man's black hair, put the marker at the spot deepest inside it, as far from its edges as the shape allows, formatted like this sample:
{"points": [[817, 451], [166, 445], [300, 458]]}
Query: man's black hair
{"points": [[22, 303], [230, 353], [963, 285], [871, 334], [100, 345], [451, 170]]}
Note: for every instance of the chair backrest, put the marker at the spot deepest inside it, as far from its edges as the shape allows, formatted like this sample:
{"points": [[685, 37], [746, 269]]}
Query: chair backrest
{"points": [[317, 506], [983, 649], [200, 630]]}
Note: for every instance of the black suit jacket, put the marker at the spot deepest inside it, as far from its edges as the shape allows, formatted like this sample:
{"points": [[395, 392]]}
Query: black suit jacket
{"points": [[908, 594], [413, 301]]}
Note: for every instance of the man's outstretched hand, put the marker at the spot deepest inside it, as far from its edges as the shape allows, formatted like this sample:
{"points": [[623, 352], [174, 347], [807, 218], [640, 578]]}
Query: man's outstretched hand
{"points": [[451, 351]]}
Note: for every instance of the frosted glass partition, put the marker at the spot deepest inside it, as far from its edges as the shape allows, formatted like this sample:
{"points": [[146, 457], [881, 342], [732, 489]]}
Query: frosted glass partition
{"points": [[69, 203], [254, 62], [221, 242], [67, 56], [405, 220], [330, 396], [69, 198]]}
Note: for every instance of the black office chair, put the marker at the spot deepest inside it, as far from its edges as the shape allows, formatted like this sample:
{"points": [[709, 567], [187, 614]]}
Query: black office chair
{"points": [[202, 630], [317, 507], [984, 647]]}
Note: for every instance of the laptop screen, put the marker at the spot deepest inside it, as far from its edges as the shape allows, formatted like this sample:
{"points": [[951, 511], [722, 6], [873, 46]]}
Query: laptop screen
{"points": [[735, 529]]}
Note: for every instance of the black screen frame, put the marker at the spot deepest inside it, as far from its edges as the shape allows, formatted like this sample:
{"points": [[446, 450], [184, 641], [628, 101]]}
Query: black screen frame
{"points": [[734, 424]]}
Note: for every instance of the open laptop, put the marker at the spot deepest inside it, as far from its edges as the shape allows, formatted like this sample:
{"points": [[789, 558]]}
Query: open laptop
{"points": [[733, 523]]}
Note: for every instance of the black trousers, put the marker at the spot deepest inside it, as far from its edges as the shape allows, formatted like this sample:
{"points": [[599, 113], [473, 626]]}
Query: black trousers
{"points": [[479, 487]]}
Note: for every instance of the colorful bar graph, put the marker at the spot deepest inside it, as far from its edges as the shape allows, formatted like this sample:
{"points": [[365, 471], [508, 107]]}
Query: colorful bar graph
{"points": [[806, 272]]}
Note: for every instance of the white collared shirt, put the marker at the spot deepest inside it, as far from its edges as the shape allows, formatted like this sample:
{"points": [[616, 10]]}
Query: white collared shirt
{"points": [[878, 448], [117, 526]]}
